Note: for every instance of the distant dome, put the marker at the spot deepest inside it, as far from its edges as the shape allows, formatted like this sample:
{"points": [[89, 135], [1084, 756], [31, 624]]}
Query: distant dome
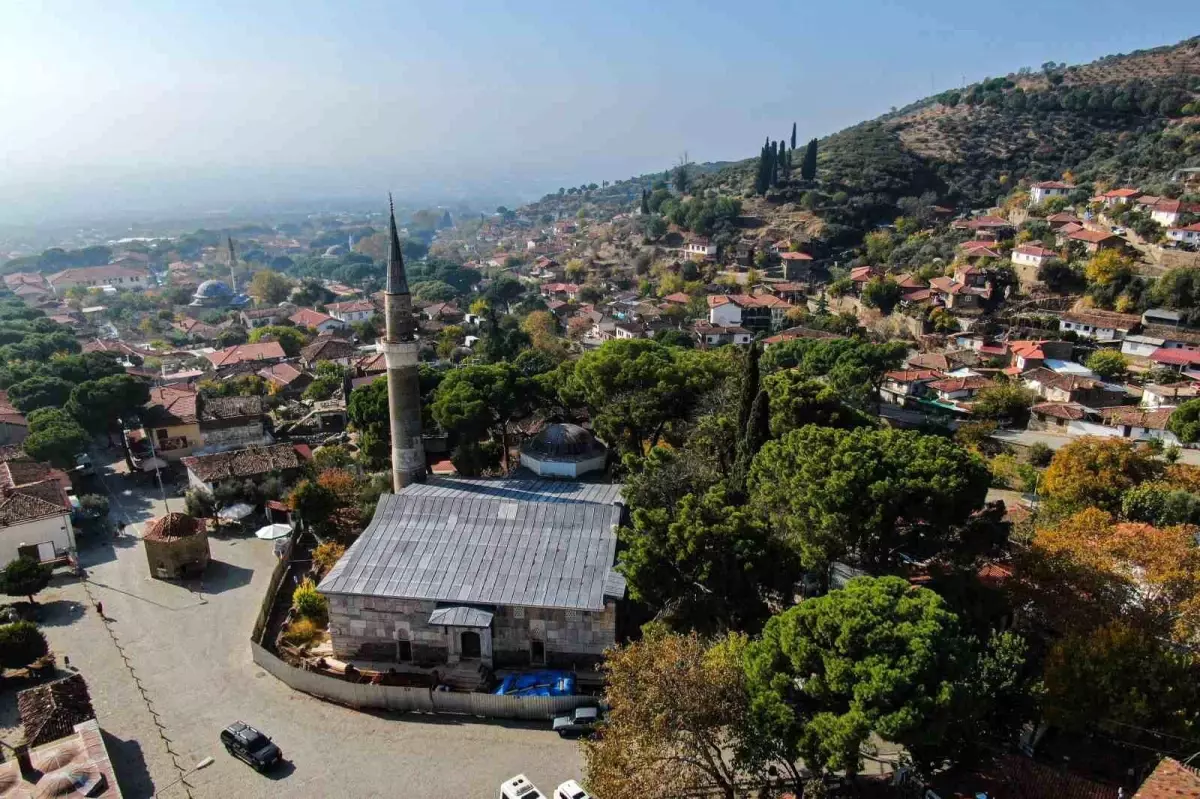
{"points": [[211, 289], [563, 450]]}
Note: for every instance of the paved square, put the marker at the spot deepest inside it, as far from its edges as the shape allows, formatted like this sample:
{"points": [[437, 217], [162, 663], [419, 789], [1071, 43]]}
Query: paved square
{"points": [[189, 647]]}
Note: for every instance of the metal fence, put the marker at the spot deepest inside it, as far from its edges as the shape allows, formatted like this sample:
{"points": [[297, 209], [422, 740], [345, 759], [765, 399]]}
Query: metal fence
{"points": [[419, 700]]}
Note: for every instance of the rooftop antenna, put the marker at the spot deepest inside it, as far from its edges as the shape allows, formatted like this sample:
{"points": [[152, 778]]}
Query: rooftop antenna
{"points": [[232, 262]]}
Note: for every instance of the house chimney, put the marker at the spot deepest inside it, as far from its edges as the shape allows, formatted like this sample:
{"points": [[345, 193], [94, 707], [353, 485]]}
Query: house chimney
{"points": [[25, 763]]}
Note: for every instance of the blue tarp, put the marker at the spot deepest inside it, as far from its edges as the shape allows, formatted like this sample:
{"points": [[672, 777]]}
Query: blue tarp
{"points": [[538, 683]]}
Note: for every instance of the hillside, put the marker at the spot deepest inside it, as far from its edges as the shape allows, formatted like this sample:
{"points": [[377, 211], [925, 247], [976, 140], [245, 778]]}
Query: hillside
{"points": [[1122, 119]]}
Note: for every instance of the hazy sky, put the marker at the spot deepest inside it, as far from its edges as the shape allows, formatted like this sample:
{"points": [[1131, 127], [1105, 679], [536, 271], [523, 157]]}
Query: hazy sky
{"points": [[162, 105]]}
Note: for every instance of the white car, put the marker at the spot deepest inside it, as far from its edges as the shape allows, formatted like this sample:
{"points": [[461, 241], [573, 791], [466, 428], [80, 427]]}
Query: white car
{"points": [[571, 790]]}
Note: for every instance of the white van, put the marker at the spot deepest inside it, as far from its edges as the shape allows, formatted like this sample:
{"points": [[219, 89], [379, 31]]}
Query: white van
{"points": [[571, 790], [519, 788]]}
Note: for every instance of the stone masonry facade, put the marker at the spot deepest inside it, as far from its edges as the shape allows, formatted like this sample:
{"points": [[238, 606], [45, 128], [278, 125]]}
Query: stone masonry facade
{"points": [[369, 628]]}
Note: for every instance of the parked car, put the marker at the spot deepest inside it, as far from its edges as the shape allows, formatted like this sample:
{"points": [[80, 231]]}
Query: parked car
{"points": [[580, 722], [519, 787], [248, 744], [571, 790]]}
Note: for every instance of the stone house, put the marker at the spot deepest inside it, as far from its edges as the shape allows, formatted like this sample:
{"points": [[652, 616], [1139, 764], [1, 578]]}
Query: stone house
{"points": [[35, 513], [233, 422], [1066, 388], [262, 317], [208, 471], [1099, 325], [505, 573]]}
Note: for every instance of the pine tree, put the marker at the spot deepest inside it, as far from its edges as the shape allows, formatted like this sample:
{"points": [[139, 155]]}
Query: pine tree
{"points": [[793, 135], [808, 168]]}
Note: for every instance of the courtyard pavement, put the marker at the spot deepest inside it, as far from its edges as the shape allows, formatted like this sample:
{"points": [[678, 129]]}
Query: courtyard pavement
{"points": [[188, 647]]}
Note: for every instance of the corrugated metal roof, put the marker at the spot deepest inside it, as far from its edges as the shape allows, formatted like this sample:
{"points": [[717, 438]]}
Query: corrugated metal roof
{"points": [[521, 490], [537, 543], [461, 616]]}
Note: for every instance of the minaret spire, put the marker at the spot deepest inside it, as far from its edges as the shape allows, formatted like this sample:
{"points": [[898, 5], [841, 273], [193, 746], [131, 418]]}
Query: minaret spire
{"points": [[400, 347]]}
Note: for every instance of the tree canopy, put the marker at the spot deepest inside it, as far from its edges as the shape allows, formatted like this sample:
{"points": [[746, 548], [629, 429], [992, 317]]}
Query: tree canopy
{"points": [[867, 494]]}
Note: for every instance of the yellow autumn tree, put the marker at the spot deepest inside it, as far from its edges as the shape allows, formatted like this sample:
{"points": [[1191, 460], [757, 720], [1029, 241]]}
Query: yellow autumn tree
{"points": [[1107, 267]]}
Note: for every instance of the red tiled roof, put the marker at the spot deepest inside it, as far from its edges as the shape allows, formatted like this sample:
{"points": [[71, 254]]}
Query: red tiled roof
{"points": [[861, 274], [244, 462], [1118, 193], [51, 711], [1035, 250], [1091, 236], [263, 351], [281, 374], [793, 333], [33, 501], [351, 306], [1194, 227], [1170, 780], [1053, 184], [1060, 410], [1175, 356], [1027, 349], [307, 317], [910, 375], [1137, 417], [795, 256], [97, 273], [679, 298], [172, 405], [172, 527], [1063, 216], [953, 384]]}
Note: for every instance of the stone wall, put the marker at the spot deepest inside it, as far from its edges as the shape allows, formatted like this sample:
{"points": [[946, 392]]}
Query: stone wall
{"points": [[369, 627], [181, 557]]}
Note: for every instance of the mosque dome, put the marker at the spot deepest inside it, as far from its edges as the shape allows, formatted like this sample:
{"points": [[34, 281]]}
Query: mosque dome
{"points": [[212, 289], [563, 450]]}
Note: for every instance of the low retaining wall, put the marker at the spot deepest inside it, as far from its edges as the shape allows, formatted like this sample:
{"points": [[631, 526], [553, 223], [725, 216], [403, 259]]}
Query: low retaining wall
{"points": [[277, 574], [419, 700]]}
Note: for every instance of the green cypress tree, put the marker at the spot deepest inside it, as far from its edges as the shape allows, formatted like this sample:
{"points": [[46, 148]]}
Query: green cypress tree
{"points": [[808, 168], [750, 381], [793, 135], [645, 202]]}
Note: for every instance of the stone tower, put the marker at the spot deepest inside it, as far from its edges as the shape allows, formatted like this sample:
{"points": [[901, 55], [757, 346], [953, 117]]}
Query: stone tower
{"points": [[400, 351]]}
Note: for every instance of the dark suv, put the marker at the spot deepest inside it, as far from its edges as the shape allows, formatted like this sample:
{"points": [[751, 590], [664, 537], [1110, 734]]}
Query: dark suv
{"points": [[244, 742]]}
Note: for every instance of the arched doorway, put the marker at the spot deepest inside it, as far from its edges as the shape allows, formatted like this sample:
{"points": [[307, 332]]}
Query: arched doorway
{"points": [[470, 645]]}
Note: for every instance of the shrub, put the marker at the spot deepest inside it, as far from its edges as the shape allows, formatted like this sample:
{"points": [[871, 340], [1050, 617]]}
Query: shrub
{"points": [[1040, 455], [327, 554], [21, 643], [301, 631], [308, 603]]}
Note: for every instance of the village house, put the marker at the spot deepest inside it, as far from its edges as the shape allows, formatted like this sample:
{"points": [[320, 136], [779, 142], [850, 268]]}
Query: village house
{"points": [[327, 347], [13, 425], [628, 330], [63, 752], [172, 421], [1173, 338], [1040, 192], [1026, 355], [315, 320], [1054, 387], [1056, 221], [117, 276], [446, 312], [1167, 212], [1027, 259], [953, 390], [762, 312], [955, 295], [944, 362], [1098, 325], [699, 247], [1156, 396], [1095, 240], [1185, 235], [525, 578], [35, 511], [265, 351], [798, 332], [562, 291], [1055, 417], [1118, 196], [285, 379], [796, 265], [1139, 424], [861, 275], [986, 228], [262, 317], [1062, 236], [206, 472], [709, 335], [902, 386], [1184, 361], [975, 251], [196, 330], [351, 311]]}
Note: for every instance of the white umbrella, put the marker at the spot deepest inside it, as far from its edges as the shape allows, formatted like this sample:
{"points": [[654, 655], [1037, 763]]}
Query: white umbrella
{"points": [[273, 531], [235, 512]]}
